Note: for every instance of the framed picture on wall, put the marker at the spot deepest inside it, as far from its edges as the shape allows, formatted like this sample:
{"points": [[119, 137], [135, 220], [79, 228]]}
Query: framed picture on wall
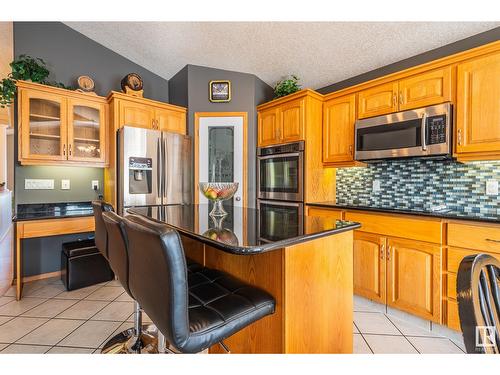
{"points": [[219, 91]]}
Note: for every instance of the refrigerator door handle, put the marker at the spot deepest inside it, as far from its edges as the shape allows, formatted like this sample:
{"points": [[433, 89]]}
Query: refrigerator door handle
{"points": [[164, 192], [158, 167]]}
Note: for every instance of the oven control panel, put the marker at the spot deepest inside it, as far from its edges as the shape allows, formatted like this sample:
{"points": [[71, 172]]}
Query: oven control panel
{"points": [[436, 129]]}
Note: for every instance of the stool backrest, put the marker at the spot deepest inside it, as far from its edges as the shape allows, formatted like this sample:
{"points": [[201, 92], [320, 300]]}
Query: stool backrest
{"points": [[478, 298], [101, 236], [158, 276], [117, 248]]}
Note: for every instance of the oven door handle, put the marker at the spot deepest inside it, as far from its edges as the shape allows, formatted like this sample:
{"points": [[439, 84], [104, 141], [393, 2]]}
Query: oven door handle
{"points": [[423, 129], [278, 203], [276, 156]]}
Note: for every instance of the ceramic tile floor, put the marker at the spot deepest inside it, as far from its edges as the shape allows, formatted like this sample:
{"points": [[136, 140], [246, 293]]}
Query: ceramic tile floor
{"points": [[50, 320]]}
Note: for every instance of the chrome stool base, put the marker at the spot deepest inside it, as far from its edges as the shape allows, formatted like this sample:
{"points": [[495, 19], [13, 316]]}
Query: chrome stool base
{"points": [[127, 342]]}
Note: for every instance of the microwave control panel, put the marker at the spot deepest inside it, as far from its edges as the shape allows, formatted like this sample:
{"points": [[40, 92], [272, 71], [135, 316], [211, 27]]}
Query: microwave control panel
{"points": [[436, 129]]}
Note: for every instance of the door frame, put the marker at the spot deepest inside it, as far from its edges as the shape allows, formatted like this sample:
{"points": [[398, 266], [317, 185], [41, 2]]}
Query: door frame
{"points": [[197, 117]]}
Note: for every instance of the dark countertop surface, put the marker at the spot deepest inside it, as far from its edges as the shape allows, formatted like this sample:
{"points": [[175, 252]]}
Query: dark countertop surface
{"points": [[38, 211], [245, 230], [445, 214]]}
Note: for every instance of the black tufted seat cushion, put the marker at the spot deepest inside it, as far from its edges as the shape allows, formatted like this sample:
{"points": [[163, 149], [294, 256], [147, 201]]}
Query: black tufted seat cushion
{"points": [[216, 298]]}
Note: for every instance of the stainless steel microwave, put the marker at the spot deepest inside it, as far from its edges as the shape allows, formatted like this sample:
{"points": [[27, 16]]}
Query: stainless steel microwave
{"points": [[424, 132]]}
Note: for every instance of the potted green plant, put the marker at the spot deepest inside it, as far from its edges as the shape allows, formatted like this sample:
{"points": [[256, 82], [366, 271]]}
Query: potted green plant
{"points": [[24, 68], [287, 86]]}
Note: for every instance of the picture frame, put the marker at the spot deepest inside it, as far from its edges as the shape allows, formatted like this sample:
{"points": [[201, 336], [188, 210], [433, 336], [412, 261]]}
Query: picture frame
{"points": [[219, 91]]}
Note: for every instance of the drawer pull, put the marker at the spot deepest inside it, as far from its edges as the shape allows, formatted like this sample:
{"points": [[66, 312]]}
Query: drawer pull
{"points": [[492, 240]]}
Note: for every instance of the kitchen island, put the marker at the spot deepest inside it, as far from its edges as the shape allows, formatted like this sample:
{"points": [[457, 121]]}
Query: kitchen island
{"points": [[305, 262]]}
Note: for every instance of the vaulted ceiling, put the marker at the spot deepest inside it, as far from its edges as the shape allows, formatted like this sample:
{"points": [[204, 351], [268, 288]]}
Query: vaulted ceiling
{"points": [[320, 53]]}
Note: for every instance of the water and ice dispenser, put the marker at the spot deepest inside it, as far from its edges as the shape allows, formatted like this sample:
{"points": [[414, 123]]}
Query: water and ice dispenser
{"points": [[140, 175]]}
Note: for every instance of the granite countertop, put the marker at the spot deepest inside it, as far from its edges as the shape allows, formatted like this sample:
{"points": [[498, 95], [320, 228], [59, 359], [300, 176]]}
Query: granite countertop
{"points": [[38, 211], [445, 214], [244, 230]]}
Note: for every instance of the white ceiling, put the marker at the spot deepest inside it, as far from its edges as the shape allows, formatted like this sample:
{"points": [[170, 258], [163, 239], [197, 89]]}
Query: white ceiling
{"points": [[321, 53]]}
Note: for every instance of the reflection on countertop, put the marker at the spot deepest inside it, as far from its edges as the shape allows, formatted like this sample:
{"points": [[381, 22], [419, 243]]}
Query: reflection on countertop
{"points": [[243, 230]]}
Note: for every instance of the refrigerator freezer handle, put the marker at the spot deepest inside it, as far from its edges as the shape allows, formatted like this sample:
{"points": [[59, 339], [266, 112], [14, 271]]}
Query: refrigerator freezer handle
{"points": [[158, 167], [164, 171]]}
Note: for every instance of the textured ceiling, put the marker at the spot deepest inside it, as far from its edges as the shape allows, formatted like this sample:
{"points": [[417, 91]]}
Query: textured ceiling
{"points": [[320, 53]]}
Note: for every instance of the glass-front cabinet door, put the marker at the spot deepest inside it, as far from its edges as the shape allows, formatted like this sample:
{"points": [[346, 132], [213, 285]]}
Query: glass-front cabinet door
{"points": [[86, 131], [43, 136]]}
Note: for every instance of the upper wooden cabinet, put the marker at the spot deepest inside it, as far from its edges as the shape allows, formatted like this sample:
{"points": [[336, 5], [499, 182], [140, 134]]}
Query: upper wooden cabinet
{"points": [[146, 113], [378, 100], [339, 115], [284, 120], [60, 126], [425, 89], [420, 90], [478, 112]]}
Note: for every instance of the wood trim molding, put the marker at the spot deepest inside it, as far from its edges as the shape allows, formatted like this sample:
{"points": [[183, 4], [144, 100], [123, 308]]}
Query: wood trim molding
{"points": [[296, 95], [58, 91], [155, 103], [197, 117]]}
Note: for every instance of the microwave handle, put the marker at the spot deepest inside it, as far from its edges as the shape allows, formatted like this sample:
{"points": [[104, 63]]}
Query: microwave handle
{"points": [[423, 128]]}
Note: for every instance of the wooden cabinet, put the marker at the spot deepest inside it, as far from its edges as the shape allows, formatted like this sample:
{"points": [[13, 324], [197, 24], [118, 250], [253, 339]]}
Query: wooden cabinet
{"points": [[414, 277], [135, 114], [171, 121], [478, 113], [420, 90], [283, 120], [339, 115], [268, 124], [378, 100], [59, 126], [425, 89], [370, 266]]}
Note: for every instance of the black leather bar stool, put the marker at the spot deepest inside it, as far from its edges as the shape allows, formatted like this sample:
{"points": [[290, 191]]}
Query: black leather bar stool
{"points": [[478, 296], [193, 307], [141, 338], [101, 236]]}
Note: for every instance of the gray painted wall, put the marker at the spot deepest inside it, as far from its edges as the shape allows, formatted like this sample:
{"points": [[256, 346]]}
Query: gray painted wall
{"points": [[247, 91], [449, 49], [69, 54]]}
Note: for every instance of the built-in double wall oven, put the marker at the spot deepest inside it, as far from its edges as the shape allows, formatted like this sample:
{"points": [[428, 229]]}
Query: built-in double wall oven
{"points": [[280, 185]]}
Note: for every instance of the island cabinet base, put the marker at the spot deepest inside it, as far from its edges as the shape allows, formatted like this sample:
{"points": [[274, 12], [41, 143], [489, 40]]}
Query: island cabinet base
{"points": [[312, 283]]}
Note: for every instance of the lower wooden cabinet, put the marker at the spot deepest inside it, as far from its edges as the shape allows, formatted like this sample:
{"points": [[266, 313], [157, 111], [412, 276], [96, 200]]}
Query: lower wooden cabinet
{"points": [[370, 266], [414, 277]]}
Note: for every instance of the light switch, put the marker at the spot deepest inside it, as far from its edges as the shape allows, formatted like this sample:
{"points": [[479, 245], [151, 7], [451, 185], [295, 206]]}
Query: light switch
{"points": [[65, 185], [38, 184], [491, 187], [376, 186]]}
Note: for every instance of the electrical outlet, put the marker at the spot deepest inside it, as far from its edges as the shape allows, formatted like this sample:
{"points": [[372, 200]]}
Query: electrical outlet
{"points": [[65, 184], [376, 186], [95, 185], [38, 184], [491, 187]]}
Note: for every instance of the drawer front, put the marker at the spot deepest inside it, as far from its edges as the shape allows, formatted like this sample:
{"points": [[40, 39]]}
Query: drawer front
{"points": [[479, 237], [455, 256], [453, 317], [325, 212], [452, 285], [398, 226]]}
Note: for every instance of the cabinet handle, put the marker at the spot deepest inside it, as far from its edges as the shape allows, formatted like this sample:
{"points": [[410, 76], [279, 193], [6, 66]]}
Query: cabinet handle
{"points": [[389, 253], [70, 149], [350, 149], [401, 97], [459, 137], [64, 149], [395, 99], [382, 251]]}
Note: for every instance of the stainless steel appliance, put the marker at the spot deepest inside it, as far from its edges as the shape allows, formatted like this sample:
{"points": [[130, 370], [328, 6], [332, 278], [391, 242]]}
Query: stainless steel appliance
{"points": [[272, 215], [424, 132], [280, 174], [154, 168]]}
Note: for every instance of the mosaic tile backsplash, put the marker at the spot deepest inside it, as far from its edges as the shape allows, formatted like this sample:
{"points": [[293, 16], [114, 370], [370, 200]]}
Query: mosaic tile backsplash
{"points": [[421, 184]]}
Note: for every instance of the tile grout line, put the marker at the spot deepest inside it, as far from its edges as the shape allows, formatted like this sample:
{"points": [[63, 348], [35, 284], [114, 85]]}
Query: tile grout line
{"points": [[363, 337], [406, 338]]}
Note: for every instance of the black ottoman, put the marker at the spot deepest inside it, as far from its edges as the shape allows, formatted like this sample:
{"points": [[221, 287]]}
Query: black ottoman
{"points": [[83, 265]]}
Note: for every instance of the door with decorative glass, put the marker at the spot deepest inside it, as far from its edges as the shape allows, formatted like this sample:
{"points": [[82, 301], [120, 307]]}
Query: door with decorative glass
{"points": [[86, 131], [43, 136]]}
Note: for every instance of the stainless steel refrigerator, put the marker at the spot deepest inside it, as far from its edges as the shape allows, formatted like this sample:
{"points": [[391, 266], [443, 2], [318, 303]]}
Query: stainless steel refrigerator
{"points": [[154, 168]]}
